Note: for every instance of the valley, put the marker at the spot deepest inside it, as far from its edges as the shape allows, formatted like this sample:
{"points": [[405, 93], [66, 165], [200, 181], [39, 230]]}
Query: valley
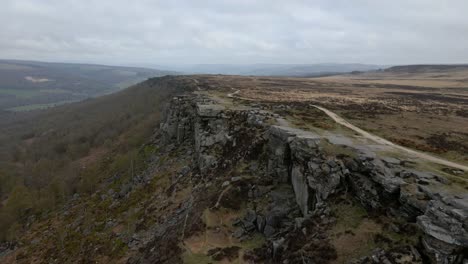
{"points": [[233, 132], [242, 169], [32, 85]]}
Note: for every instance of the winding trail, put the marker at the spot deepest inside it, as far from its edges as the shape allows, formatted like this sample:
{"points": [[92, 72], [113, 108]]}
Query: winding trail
{"points": [[230, 95], [383, 141]]}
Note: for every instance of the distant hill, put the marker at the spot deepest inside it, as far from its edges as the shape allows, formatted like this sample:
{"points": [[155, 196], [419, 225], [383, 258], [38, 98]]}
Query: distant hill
{"points": [[421, 68], [429, 76], [315, 69], [296, 70], [28, 85]]}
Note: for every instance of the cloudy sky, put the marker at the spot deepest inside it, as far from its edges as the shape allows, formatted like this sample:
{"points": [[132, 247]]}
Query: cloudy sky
{"points": [[235, 31]]}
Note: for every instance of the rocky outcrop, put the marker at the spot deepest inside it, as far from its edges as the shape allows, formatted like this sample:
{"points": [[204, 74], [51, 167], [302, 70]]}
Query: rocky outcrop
{"points": [[210, 130], [198, 120], [303, 159], [279, 163], [445, 228], [314, 176], [377, 184], [213, 128], [178, 124]]}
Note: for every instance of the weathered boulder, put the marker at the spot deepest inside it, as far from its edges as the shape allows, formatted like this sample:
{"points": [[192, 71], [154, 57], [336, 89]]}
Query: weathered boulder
{"points": [[209, 110], [312, 177], [413, 202], [445, 230], [178, 122], [279, 163], [301, 189]]}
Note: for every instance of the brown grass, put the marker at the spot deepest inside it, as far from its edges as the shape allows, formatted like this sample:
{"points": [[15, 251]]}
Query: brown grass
{"points": [[413, 109]]}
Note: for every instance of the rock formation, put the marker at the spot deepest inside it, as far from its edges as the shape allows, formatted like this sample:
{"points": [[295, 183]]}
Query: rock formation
{"points": [[382, 185]]}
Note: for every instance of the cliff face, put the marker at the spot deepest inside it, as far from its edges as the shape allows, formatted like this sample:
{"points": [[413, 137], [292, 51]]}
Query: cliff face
{"points": [[380, 186], [318, 171]]}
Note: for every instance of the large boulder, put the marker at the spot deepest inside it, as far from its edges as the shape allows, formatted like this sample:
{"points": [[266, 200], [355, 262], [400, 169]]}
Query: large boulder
{"points": [[279, 163], [178, 121], [445, 230], [313, 177]]}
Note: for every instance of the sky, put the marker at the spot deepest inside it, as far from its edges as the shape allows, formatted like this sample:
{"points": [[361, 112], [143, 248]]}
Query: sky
{"points": [[152, 32]]}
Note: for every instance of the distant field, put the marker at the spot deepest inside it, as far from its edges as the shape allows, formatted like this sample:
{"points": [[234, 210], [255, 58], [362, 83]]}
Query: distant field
{"points": [[19, 93], [38, 106], [424, 76]]}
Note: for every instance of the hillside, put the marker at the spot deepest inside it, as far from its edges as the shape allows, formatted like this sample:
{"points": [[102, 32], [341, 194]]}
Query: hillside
{"points": [[427, 68], [49, 155], [297, 70], [26, 85], [427, 76], [234, 169]]}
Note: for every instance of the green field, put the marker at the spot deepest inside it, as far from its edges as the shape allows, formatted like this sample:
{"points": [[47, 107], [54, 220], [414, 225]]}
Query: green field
{"points": [[24, 94], [19, 92], [38, 106]]}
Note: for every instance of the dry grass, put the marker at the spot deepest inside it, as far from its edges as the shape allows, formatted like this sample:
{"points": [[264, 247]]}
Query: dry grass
{"points": [[454, 78], [217, 235], [426, 111]]}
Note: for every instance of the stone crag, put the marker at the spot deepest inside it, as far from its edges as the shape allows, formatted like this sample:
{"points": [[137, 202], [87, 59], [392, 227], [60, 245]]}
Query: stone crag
{"points": [[315, 175], [317, 170]]}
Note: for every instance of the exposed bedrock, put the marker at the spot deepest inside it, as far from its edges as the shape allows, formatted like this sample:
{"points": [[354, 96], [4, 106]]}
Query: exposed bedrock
{"points": [[178, 121], [316, 174], [214, 129], [304, 159]]}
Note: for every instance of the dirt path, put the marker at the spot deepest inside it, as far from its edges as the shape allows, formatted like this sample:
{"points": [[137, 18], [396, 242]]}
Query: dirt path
{"points": [[383, 141], [378, 139], [230, 95]]}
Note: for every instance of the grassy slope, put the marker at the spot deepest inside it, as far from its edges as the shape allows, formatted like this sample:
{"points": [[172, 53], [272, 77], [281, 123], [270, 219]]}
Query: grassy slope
{"points": [[45, 157]]}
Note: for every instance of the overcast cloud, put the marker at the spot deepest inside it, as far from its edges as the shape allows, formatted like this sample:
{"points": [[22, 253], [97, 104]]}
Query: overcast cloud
{"points": [[235, 31]]}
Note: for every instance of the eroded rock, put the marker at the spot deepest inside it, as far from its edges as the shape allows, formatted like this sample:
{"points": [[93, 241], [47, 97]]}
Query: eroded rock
{"points": [[297, 158]]}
